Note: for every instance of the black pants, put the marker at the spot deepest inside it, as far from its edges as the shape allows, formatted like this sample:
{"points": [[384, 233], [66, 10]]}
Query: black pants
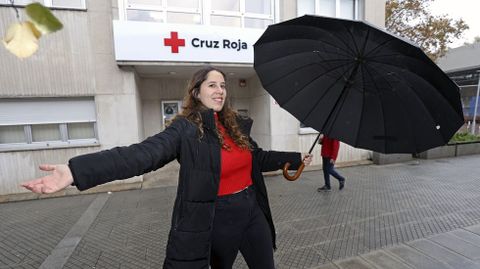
{"points": [[240, 224]]}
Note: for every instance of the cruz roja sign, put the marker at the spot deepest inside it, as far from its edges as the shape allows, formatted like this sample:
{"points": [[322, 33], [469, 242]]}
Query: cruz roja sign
{"points": [[147, 41], [216, 44]]}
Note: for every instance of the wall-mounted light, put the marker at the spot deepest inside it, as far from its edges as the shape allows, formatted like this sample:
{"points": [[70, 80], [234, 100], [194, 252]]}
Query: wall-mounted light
{"points": [[242, 82]]}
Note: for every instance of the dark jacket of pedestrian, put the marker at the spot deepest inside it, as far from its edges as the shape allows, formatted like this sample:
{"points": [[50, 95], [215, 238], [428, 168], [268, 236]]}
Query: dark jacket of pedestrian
{"points": [[194, 210]]}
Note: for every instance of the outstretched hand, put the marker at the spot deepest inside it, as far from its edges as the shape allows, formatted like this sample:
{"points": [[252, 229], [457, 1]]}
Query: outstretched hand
{"points": [[59, 178]]}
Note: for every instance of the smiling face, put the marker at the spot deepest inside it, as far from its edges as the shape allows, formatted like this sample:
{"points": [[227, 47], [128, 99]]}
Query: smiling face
{"points": [[212, 92]]}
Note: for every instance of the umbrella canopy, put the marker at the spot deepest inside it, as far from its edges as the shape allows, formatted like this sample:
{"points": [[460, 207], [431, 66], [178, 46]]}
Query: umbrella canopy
{"points": [[359, 84]]}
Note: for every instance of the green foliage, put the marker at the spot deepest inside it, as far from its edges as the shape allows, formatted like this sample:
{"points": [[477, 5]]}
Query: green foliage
{"points": [[464, 137], [43, 19], [411, 19]]}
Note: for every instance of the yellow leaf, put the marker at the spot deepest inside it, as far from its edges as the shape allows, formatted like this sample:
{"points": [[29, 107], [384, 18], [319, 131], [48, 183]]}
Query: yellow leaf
{"points": [[22, 39], [35, 30]]}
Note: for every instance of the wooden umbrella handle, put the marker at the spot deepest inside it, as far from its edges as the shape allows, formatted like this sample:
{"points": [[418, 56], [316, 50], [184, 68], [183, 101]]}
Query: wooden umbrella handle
{"points": [[296, 175]]}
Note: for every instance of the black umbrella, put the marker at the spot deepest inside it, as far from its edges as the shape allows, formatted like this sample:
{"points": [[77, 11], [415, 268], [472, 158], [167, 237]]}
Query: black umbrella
{"points": [[359, 84]]}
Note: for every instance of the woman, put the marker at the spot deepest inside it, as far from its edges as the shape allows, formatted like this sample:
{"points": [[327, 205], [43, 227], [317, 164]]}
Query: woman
{"points": [[221, 205]]}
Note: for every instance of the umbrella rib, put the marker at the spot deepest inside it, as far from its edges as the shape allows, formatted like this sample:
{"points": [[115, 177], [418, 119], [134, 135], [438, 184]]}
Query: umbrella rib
{"points": [[390, 64], [383, 111], [348, 50], [292, 71], [310, 82], [410, 86], [348, 53], [378, 46], [318, 54], [353, 40], [343, 95], [365, 43], [341, 99], [338, 38], [390, 55], [321, 97], [409, 123], [413, 73], [363, 109]]}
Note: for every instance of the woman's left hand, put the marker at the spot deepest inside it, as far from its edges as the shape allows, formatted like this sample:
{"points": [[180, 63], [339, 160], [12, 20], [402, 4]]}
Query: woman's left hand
{"points": [[307, 158]]}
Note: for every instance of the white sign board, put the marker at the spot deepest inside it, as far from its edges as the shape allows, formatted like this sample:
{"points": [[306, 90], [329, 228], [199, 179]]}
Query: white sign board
{"points": [[150, 41]]}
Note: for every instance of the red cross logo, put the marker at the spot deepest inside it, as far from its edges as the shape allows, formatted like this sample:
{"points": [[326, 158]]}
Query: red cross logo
{"points": [[174, 42]]}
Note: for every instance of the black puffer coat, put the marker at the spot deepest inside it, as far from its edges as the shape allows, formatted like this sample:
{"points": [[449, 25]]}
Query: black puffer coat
{"points": [[190, 235]]}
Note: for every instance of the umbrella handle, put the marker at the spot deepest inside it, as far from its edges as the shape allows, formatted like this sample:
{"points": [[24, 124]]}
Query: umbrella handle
{"points": [[296, 175]]}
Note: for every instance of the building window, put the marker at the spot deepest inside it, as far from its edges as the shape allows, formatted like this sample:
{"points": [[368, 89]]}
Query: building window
{"points": [[80, 4], [45, 132], [242, 13], [12, 134], [67, 4], [39, 123], [81, 130], [346, 9], [233, 13], [467, 81], [166, 11]]}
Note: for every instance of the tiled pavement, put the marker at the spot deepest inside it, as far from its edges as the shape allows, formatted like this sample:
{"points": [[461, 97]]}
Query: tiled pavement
{"points": [[421, 214]]}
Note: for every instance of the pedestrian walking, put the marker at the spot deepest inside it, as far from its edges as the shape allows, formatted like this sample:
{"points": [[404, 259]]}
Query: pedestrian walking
{"points": [[330, 147], [222, 205]]}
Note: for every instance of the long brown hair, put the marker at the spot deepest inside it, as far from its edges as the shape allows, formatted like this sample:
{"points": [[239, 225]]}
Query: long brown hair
{"points": [[192, 106]]}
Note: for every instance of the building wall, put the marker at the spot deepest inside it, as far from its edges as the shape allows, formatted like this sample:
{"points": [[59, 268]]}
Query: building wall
{"points": [[374, 12], [79, 61], [288, 9], [260, 113], [76, 61]]}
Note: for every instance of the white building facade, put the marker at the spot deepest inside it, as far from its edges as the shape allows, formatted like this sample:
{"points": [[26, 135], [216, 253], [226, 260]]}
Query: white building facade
{"points": [[117, 73]]}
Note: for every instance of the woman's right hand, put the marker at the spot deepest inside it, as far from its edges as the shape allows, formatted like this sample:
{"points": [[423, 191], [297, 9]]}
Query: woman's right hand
{"points": [[59, 178]]}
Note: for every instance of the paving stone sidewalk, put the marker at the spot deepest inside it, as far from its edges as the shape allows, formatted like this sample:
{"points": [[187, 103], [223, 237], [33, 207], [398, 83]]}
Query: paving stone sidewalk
{"points": [[420, 214]]}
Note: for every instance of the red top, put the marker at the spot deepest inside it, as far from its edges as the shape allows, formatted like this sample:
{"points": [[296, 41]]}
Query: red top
{"points": [[236, 171], [330, 147]]}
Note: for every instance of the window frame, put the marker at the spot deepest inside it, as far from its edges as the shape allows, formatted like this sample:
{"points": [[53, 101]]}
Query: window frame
{"points": [[64, 142], [18, 112], [356, 7], [163, 9], [242, 14], [49, 4], [204, 11]]}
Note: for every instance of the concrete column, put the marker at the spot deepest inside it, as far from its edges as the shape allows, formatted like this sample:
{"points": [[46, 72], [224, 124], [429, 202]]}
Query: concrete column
{"points": [[375, 12]]}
